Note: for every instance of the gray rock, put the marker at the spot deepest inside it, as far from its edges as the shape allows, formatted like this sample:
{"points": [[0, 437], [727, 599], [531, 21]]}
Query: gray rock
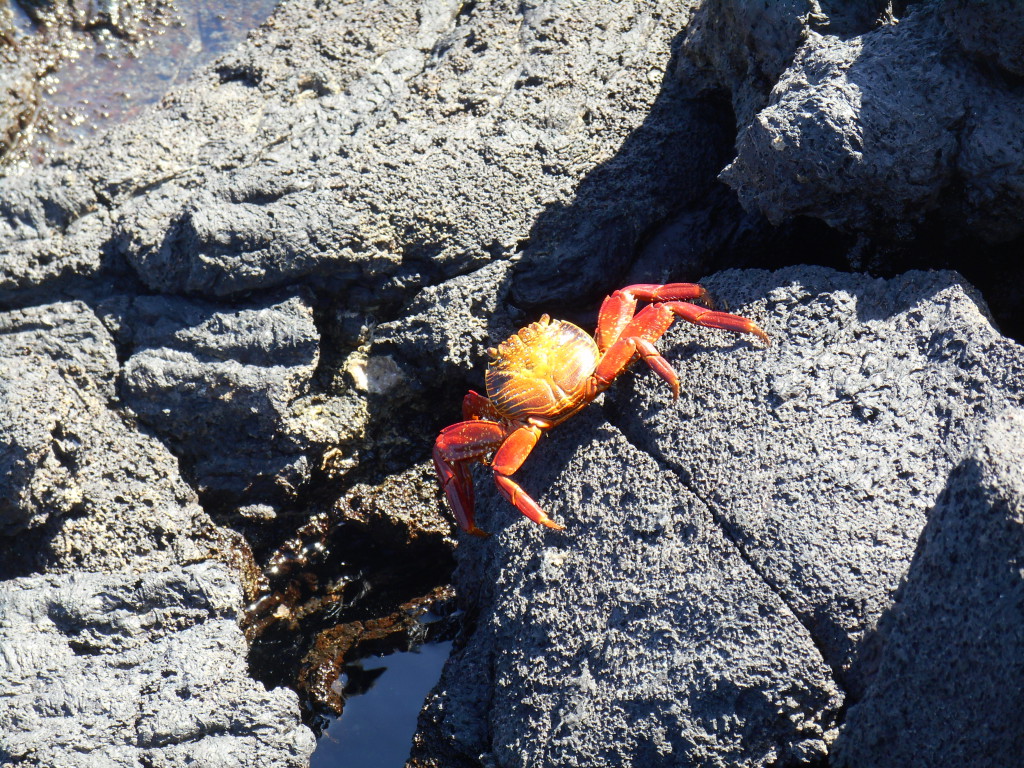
{"points": [[98, 670], [406, 170], [744, 46], [825, 454], [437, 172], [223, 387], [128, 650], [639, 636], [448, 327], [48, 355], [62, 444], [802, 476], [19, 86], [363, 151], [873, 133], [122, 18], [990, 30], [951, 651]]}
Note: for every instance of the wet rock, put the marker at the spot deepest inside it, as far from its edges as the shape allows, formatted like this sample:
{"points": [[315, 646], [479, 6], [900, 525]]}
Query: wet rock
{"points": [[786, 490], [99, 670], [19, 86], [127, 19], [951, 657], [404, 512], [368, 577], [338, 648], [223, 386], [874, 133]]}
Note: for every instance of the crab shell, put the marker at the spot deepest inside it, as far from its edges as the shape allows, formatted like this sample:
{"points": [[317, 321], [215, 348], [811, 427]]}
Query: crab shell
{"points": [[544, 371]]}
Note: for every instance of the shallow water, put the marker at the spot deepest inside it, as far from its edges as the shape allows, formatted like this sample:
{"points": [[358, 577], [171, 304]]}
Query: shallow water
{"points": [[376, 728], [106, 84]]}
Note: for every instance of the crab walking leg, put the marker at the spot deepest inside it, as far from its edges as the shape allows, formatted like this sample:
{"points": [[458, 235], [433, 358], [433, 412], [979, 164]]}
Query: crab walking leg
{"points": [[621, 355], [709, 318], [454, 449], [668, 292], [507, 461], [618, 309], [649, 325]]}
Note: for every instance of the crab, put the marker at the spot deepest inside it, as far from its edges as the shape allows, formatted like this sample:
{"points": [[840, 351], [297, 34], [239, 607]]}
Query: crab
{"points": [[548, 372]]}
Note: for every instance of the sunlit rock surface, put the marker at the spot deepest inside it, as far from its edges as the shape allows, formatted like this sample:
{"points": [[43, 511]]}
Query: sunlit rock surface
{"points": [[731, 561], [275, 286]]}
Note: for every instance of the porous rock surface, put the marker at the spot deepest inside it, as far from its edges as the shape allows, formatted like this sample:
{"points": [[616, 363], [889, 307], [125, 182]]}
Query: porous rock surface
{"points": [[311, 243], [123, 649], [876, 132], [89, 658], [218, 383], [731, 561], [825, 457], [98, 493], [944, 695], [637, 636]]}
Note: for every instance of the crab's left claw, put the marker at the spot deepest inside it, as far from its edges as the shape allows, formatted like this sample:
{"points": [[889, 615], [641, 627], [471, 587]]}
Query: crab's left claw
{"points": [[454, 449], [458, 489]]}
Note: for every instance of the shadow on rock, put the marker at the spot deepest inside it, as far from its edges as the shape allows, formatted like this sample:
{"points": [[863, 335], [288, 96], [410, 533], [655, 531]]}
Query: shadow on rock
{"points": [[947, 660], [656, 212]]}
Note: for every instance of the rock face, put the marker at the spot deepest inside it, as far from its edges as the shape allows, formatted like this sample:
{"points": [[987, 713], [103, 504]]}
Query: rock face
{"points": [[731, 562], [125, 649], [639, 636], [89, 658], [72, 468], [876, 132], [225, 387], [825, 457], [268, 292], [949, 670], [189, 304]]}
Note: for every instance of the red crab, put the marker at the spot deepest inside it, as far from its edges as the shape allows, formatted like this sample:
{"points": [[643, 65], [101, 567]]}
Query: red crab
{"points": [[550, 370]]}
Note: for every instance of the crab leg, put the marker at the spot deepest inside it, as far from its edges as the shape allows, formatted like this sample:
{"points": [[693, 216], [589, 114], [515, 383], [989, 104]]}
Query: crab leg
{"points": [[454, 449], [476, 406], [618, 309], [507, 461], [639, 335], [709, 318], [622, 353]]}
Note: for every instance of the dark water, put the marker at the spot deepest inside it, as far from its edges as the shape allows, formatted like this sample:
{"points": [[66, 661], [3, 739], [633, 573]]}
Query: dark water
{"points": [[376, 728]]}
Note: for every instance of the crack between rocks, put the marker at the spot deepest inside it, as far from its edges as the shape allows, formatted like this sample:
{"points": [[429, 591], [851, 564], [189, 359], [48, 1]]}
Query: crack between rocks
{"points": [[728, 532]]}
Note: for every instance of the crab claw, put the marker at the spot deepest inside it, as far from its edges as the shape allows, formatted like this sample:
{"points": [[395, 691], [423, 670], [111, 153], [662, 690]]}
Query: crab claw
{"points": [[458, 489], [454, 449]]}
